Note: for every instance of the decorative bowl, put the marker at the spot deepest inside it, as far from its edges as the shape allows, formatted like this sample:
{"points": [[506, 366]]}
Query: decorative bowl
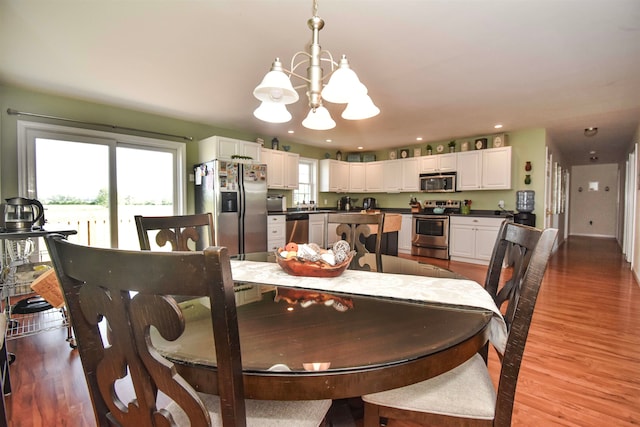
{"points": [[301, 267]]}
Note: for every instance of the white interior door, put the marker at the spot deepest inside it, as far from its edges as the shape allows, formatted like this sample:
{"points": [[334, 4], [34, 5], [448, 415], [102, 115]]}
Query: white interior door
{"points": [[548, 188]]}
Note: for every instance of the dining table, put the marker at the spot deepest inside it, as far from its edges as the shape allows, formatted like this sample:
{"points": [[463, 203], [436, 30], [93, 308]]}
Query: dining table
{"points": [[385, 322]]}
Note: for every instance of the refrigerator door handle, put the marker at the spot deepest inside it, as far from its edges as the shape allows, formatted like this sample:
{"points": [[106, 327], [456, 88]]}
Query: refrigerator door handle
{"points": [[241, 209]]}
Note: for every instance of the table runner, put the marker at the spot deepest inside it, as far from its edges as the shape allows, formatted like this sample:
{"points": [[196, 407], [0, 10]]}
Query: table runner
{"points": [[401, 286]]}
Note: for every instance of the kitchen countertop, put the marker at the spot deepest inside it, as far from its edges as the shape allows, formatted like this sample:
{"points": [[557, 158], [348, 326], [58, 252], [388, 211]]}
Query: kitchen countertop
{"points": [[406, 211], [487, 213]]}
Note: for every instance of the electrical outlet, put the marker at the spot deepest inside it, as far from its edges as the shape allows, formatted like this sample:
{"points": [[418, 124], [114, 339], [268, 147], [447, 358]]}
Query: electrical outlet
{"points": [[501, 204]]}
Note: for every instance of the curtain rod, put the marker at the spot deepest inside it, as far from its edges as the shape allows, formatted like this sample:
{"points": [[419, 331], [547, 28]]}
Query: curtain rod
{"points": [[13, 112]]}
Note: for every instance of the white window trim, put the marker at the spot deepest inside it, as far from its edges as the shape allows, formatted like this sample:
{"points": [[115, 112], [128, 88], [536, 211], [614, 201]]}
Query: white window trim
{"points": [[314, 166]]}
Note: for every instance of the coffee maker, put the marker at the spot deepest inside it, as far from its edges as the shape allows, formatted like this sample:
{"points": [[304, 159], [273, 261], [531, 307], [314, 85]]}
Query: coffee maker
{"points": [[346, 203]]}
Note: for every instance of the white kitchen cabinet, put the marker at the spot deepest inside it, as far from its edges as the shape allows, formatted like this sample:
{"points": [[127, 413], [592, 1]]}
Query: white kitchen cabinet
{"points": [[223, 148], [438, 163], [276, 232], [488, 169], [404, 235], [471, 239], [496, 169], [317, 231], [374, 177], [357, 177], [334, 176], [410, 174], [282, 168], [332, 236], [246, 294], [392, 176], [292, 173]]}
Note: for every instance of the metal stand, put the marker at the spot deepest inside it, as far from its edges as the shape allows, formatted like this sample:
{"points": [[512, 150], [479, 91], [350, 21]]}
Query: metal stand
{"points": [[27, 313]]}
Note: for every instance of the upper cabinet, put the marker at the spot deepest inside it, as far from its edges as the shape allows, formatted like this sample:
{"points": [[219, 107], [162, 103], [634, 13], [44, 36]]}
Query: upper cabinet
{"points": [[410, 174], [392, 174], [223, 148], [438, 163], [357, 177], [374, 177], [282, 168], [488, 169], [334, 176]]}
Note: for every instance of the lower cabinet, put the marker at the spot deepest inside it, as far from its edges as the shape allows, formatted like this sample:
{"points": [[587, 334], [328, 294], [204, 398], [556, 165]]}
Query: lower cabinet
{"points": [[332, 236], [404, 235], [276, 232], [246, 294], [471, 239], [317, 229]]}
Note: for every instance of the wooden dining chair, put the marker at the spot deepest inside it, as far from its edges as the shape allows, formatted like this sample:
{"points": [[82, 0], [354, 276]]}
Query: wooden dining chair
{"points": [[465, 396], [176, 230], [355, 228], [130, 290]]}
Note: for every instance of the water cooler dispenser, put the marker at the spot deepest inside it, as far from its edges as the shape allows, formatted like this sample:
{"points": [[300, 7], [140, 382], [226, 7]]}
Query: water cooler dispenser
{"points": [[525, 202]]}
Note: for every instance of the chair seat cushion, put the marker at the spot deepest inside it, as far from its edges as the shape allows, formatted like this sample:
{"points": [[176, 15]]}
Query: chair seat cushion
{"points": [[466, 391], [264, 413]]}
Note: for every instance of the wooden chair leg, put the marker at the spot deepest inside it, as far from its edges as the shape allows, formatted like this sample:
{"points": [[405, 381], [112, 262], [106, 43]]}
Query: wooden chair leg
{"points": [[371, 415]]}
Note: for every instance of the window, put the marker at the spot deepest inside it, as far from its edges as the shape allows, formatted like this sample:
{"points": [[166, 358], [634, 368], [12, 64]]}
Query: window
{"points": [[95, 182], [307, 182]]}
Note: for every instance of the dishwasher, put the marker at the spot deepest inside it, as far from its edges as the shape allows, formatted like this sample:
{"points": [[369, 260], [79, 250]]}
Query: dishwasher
{"points": [[298, 228]]}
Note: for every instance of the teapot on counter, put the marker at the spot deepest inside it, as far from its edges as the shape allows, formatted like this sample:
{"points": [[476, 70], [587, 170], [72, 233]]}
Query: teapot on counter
{"points": [[21, 214]]}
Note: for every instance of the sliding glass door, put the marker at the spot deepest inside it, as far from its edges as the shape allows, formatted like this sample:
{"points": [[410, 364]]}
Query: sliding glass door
{"points": [[95, 182]]}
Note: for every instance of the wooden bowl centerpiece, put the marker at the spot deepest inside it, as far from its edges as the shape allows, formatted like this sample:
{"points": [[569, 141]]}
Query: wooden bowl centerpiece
{"points": [[299, 266]]}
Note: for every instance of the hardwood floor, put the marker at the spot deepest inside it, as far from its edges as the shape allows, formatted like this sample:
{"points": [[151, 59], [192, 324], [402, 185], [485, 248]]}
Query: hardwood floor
{"points": [[581, 365]]}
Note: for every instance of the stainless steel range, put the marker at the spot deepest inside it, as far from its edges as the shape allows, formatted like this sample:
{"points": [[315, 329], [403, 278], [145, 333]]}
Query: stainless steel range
{"points": [[430, 228]]}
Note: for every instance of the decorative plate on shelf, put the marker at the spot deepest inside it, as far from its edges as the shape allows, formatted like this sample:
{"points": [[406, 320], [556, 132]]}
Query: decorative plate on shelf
{"points": [[440, 148], [392, 154], [404, 153], [499, 141], [481, 143], [464, 146]]}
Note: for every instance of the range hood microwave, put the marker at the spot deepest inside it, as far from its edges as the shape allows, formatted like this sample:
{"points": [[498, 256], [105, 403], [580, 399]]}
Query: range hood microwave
{"points": [[444, 182]]}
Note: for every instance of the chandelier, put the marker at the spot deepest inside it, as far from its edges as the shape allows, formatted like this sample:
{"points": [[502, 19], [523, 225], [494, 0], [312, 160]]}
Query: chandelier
{"points": [[276, 91]]}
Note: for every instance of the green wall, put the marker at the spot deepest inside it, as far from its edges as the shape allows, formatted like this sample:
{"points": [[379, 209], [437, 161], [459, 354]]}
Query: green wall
{"points": [[528, 145]]}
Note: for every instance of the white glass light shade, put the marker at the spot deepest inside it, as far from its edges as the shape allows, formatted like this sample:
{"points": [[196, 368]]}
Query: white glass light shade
{"points": [[276, 87], [319, 119], [272, 112], [361, 107], [343, 85]]}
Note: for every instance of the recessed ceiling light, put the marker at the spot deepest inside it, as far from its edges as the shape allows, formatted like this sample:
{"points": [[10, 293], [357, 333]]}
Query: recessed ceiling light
{"points": [[419, 138], [360, 148], [328, 140], [590, 131], [290, 131], [498, 126], [592, 152]]}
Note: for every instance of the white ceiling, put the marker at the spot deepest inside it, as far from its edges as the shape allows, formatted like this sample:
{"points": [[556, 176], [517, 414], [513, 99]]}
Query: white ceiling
{"points": [[441, 70]]}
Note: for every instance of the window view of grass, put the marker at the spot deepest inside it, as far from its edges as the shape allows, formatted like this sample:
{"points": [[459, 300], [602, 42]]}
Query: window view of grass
{"points": [[76, 196]]}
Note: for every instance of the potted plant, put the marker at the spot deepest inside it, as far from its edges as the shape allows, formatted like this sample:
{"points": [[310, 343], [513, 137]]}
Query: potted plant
{"points": [[452, 146], [429, 150]]}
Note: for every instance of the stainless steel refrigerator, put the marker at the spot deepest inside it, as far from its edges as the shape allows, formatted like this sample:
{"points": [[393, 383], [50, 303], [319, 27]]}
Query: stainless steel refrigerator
{"points": [[236, 195]]}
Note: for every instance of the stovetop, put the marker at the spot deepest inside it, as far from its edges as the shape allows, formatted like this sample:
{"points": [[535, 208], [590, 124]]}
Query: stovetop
{"points": [[449, 206]]}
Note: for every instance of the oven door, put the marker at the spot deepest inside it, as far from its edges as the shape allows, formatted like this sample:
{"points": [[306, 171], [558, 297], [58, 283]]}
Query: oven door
{"points": [[430, 236]]}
